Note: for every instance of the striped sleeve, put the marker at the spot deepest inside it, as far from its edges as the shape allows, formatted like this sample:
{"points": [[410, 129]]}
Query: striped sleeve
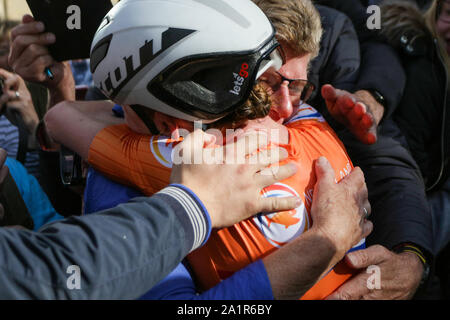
{"points": [[193, 214]]}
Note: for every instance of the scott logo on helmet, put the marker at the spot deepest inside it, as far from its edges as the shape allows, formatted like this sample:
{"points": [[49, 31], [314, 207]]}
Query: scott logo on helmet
{"points": [[239, 79], [124, 72]]}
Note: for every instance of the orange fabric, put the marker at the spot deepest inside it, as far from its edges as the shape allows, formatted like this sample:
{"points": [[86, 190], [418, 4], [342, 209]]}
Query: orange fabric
{"points": [[131, 158], [144, 162]]}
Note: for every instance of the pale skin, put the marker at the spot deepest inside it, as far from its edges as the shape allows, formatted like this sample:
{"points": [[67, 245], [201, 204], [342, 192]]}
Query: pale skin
{"points": [[12, 84], [21, 103], [245, 176], [355, 289]]}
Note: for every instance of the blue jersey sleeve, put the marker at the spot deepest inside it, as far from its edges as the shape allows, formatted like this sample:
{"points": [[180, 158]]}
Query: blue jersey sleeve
{"points": [[250, 283]]}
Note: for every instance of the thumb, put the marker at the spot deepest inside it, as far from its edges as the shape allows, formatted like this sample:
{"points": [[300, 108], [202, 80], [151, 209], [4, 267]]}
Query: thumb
{"points": [[373, 255], [329, 92], [324, 171], [27, 18], [193, 143]]}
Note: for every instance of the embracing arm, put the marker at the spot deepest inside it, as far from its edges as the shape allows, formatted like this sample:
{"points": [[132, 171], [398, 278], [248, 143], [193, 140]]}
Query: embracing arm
{"points": [[121, 252], [106, 250], [75, 124], [289, 272]]}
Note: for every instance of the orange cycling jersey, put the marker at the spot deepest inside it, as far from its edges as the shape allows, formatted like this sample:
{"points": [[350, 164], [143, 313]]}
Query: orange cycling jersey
{"points": [[145, 162]]}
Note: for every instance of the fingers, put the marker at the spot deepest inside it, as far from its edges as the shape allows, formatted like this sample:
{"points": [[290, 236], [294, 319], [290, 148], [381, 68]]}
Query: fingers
{"points": [[373, 255], [35, 71], [4, 98], [248, 144], [29, 26], [27, 18], [344, 106], [324, 172], [5, 75], [272, 175], [367, 228], [356, 181], [267, 157], [32, 53], [276, 204], [329, 93], [192, 148], [11, 83], [353, 111], [22, 43], [354, 289], [357, 288]]}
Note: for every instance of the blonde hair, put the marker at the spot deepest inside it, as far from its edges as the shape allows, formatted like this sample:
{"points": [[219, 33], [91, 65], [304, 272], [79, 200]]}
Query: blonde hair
{"points": [[430, 19], [297, 22]]}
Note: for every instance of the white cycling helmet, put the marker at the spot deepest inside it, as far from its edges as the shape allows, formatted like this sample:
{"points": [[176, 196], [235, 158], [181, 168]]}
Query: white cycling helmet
{"points": [[190, 59]]}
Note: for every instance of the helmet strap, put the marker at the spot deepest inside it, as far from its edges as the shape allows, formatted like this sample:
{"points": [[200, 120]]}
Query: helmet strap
{"points": [[144, 117]]}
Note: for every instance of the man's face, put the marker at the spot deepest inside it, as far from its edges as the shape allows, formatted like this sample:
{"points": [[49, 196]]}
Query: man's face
{"points": [[285, 101], [443, 24]]}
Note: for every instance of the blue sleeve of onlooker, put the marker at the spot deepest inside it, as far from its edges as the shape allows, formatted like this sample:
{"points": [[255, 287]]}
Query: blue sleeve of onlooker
{"points": [[250, 283], [37, 202], [118, 111]]}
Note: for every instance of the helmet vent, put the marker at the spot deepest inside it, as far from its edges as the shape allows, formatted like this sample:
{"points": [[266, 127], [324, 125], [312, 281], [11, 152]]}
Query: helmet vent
{"points": [[224, 8]]}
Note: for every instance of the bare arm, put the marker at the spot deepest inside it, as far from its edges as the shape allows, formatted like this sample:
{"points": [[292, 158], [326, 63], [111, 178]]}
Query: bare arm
{"points": [[76, 123]]}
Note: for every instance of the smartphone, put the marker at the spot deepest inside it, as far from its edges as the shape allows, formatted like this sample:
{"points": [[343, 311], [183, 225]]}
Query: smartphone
{"points": [[74, 23]]}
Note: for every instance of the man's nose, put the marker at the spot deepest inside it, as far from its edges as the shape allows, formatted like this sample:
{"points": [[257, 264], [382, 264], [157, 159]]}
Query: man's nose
{"points": [[282, 101]]}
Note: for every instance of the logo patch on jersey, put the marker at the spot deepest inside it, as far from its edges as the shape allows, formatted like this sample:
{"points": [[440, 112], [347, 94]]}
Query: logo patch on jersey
{"points": [[162, 148], [306, 112], [281, 227]]}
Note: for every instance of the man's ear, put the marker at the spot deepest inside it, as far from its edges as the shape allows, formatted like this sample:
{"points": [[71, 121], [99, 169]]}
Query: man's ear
{"points": [[134, 122]]}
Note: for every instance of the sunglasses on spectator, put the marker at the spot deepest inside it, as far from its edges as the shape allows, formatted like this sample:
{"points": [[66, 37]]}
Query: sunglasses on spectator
{"points": [[299, 89]]}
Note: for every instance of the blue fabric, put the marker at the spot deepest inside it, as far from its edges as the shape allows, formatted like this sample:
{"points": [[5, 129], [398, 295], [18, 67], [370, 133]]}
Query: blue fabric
{"points": [[250, 283], [102, 193], [118, 111], [38, 205]]}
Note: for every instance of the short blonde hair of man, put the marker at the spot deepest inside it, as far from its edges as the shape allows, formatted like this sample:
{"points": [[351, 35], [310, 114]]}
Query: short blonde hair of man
{"points": [[297, 23]]}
